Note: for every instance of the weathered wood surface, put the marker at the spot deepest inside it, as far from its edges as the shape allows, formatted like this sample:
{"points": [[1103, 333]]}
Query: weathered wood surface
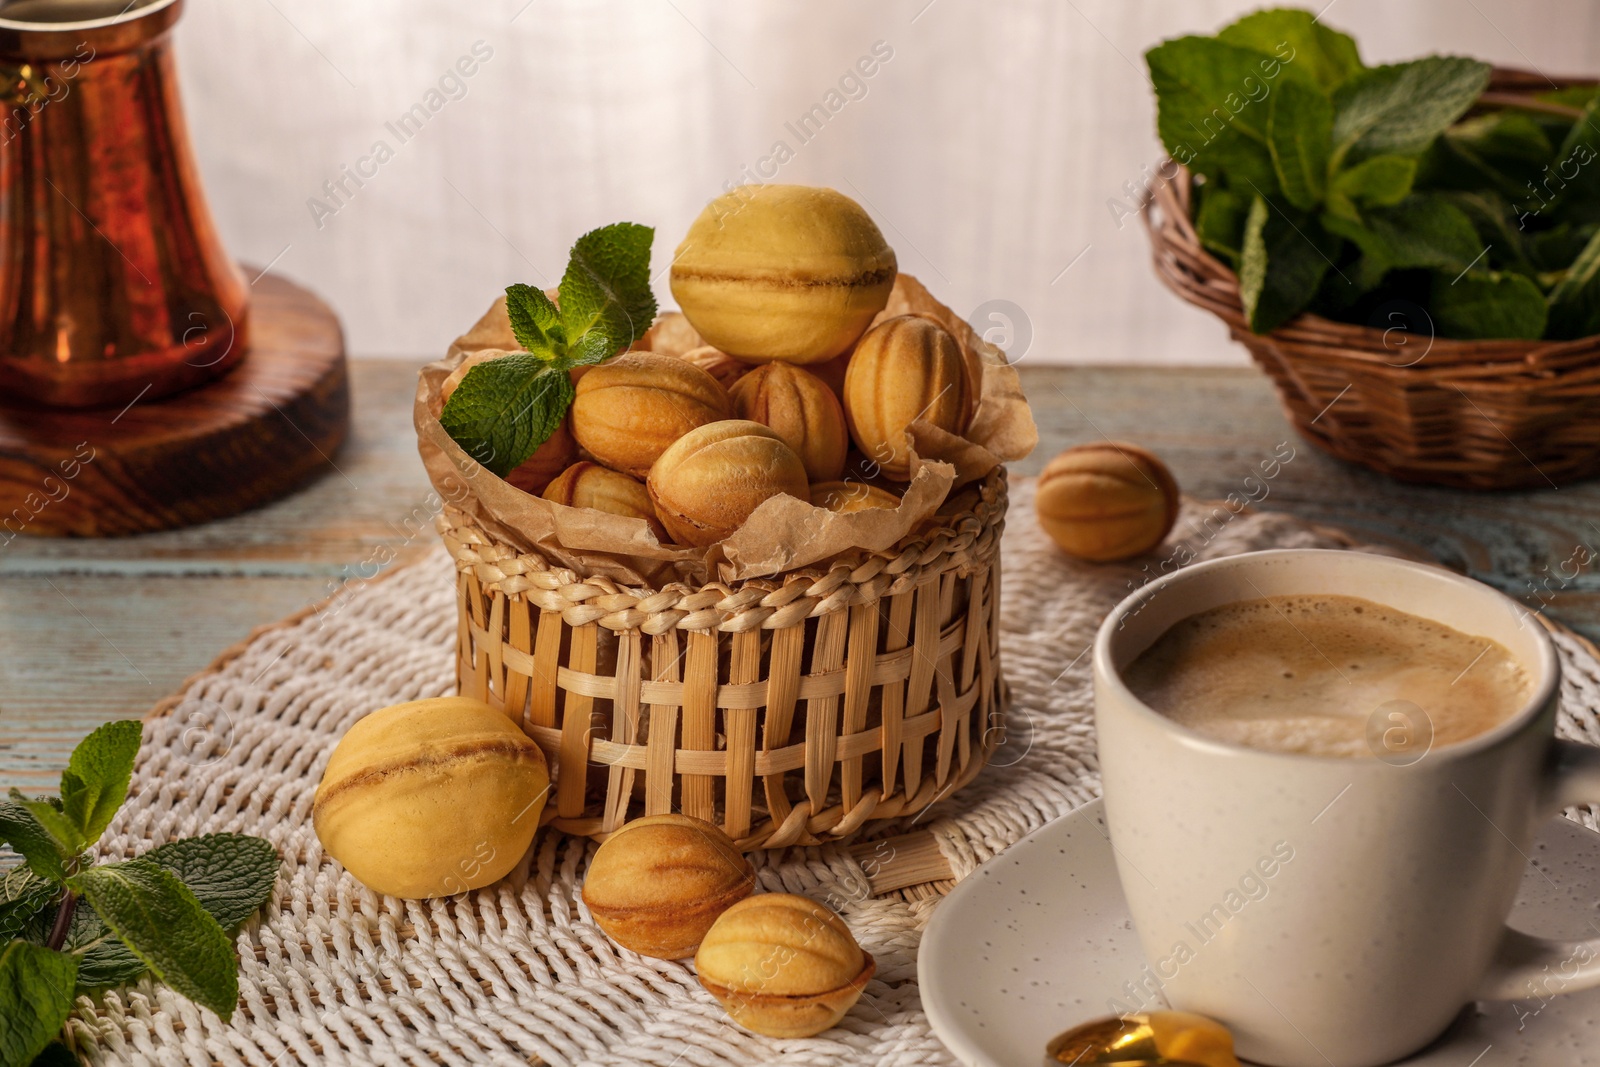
{"points": [[253, 435], [94, 630]]}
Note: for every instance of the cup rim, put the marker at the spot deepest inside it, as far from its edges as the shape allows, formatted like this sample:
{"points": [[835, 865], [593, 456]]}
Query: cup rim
{"points": [[127, 15], [1106, 673]]}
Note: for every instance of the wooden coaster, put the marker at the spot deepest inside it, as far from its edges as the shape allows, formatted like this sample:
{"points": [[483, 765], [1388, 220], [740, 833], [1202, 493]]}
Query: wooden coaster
{"points": [[253, 435]]}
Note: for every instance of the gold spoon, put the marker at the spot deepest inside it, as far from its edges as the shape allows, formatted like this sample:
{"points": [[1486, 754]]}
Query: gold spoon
{"points": [[1144, 1039]]}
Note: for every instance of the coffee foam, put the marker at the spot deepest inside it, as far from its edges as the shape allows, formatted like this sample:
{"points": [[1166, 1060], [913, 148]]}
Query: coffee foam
{"points": [[1304, 674]]}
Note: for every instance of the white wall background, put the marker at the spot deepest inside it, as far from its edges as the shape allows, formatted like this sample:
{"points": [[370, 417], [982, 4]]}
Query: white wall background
{"points": [[987, 147]]}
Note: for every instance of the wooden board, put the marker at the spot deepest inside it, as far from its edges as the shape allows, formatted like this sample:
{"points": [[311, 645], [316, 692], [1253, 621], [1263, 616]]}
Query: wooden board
{"points": [[255, 434]]}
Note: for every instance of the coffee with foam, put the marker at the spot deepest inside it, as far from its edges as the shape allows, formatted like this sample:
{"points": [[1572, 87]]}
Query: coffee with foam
{"points": [[1305, 674]]}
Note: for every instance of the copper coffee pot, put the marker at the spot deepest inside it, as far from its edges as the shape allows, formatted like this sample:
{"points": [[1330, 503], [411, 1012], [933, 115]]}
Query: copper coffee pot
{"points": [[113, 283]]}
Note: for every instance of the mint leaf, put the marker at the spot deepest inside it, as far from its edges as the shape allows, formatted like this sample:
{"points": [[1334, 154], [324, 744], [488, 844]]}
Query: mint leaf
{"points": [[1377, 182], [1574, 176], [1281, 265], [607, 285], [1482, 304], [159, 918], [535, 321], [1399, 109], [231, 875], [61, 832], [504, 409], [1585, 130], [103, 961], [1503, 142], [1575, 301], [1326, 56], [1211, 112], [594, 347], [27, 905], [35, 999], [1578, 96], [1423, 230], [95, 783], [26, 837], [1496, 222], [1555, 249], [1299, 123], [1220, 221]]}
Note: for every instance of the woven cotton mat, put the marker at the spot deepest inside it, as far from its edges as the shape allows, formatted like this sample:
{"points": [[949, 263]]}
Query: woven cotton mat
{"points": [[518, 973]]}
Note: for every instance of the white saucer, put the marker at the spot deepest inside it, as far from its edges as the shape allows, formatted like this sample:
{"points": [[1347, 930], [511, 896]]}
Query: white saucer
{"points": [[1039, 939]]}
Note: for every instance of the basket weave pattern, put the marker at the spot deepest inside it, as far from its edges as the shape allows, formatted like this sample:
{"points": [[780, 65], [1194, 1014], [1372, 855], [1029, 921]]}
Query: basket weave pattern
{"points": [[1470, 414], [789, 710]]}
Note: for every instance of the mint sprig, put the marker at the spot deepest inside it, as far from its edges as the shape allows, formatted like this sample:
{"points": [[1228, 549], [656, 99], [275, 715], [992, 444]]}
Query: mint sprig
{"points": [[1337, 188], [503, 409], [69, 925]]}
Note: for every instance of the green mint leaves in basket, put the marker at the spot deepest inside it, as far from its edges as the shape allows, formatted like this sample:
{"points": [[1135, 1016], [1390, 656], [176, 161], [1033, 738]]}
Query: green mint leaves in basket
{"points": [[1337, 188], [504, 409], [69, 925]]}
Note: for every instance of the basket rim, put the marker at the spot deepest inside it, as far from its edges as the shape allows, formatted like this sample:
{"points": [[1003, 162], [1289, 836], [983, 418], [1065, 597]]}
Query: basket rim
{"points": [[1165, 211], [766, 602]]}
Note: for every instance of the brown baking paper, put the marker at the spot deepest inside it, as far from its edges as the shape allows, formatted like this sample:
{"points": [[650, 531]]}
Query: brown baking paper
{"points": [[783, 534]]}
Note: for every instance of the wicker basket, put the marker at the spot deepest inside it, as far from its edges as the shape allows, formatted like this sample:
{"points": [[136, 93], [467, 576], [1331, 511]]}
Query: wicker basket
{"points": [[1469, 414], [791, 710]]}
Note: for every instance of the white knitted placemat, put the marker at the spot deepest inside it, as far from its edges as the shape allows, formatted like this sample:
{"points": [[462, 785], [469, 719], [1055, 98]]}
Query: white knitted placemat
{"points": [[513, 974]]}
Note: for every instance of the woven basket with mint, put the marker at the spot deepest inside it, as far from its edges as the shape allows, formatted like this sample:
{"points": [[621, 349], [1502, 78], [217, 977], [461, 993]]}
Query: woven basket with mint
{"points": [[1410, 250]]}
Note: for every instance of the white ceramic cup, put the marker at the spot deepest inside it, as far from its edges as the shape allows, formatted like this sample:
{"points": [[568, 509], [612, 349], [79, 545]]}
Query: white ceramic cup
{"points": [[1334, 912]]}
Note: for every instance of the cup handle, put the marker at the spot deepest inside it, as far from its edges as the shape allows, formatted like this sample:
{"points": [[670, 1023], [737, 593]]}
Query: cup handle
{"points": [[1527, 967]]}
